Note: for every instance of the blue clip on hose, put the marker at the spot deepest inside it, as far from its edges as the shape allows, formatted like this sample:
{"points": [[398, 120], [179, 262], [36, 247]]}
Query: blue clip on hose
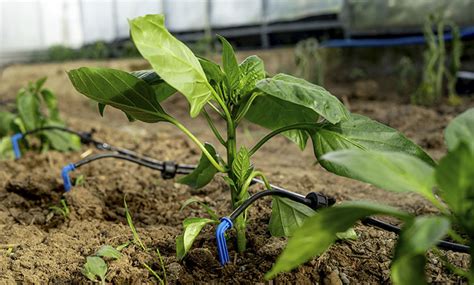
{"points": [[65, 174], [15, 143], [225, 224]]}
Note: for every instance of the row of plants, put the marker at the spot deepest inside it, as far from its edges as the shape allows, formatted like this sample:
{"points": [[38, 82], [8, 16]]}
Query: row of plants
{"points": [[301, 111]]}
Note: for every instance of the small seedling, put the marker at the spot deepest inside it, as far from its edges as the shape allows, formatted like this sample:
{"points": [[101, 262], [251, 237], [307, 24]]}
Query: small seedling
{"points": [[79, 180], [37, 107], [283, 104], [63, 210], [448, 186], [96, 267]]}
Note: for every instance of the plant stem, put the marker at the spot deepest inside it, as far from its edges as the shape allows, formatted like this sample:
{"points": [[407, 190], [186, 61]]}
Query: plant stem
{"points": [[300, 126], [214, 129], [198, 143]]}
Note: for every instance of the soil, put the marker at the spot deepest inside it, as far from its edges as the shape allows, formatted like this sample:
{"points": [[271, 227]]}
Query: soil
{"points": [[45, 247]]}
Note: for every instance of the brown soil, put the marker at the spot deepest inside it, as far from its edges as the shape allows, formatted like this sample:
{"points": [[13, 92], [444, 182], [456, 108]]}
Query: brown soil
{"points": [[48, 248]]}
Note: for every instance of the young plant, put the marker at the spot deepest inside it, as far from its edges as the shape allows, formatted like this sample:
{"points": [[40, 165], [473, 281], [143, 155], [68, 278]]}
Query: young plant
{"points": [[452, 180], [96, 267], [36, 107], [436, 67], [283, 104], [62, 210], [310, 61]]}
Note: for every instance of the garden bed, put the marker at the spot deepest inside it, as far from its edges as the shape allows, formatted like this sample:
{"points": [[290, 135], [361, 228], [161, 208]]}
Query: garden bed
{"points": [[50, 248]]}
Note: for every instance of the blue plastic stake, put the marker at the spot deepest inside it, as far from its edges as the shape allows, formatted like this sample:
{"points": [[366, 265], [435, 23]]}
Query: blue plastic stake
{"points": [[65, 174], [225, 224], [15, 143]]}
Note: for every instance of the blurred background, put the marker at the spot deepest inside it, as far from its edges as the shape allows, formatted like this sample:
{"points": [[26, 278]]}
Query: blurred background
{"points": [[51, 29]]}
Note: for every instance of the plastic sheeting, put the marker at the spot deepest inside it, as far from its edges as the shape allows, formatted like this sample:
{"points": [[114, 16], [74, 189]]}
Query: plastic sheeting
{"points": [[366, 15], [281, 10], [234, 13], [185, 15]]}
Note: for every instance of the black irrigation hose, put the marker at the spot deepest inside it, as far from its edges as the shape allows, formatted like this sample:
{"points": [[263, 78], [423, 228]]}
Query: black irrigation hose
{"points": [[169, 169], [394, 229]]}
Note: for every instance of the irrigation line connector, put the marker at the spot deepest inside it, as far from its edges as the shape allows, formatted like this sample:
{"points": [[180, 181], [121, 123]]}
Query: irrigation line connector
{"points": [[65, 175], [15, 139], [226, 223]]}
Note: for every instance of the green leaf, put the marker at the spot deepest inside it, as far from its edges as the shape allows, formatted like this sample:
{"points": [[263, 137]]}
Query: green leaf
{"points": [[229, 62], [287, 216], [6, 121], [349, 234], [204, 172], [6, 148], [241, 165], [162, 89], [59, 140], [455, 177], [212, 70], [52, 104], [319, 232], [252, 70], [39, 84], [361, 133], [393, 171], [408, 265], [101, 108], [307, 95], [28, 106], [95, 266], [118, 89], [288, 100], [460, 129], [171, 59], [192, 228], [108, 251]]}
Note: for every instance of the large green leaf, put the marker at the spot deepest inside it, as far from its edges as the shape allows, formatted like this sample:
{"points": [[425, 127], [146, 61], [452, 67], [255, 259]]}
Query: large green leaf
{"points": [[204, 172], [361, 133], [162, 89], [6, 121], [288, 100], [460, 129], [28, 105], [307, 95], [408, 265], [394, 171], [229, 62], [287, 216], [252, 70], [455, 177], [171, 59], [120, 90], [319, 232], [212, 70], [192, 228]]}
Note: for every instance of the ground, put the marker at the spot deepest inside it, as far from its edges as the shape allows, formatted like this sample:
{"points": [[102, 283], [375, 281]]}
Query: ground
{"points": [[47, 248]]}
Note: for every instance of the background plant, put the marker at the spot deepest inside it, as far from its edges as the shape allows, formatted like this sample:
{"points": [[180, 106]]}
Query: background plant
{"points": [[36, 107], [452, 179], [438, 65], [310, 61], [283, 104]]}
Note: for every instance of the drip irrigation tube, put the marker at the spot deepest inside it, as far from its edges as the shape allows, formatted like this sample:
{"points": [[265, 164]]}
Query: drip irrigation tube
{"points": [[465, 33], [169, 169]]}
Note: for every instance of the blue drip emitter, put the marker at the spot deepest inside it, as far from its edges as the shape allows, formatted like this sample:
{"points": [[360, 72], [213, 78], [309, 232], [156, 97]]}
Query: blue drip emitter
{"points": [[65, 175], [16, 145], [226, 223]]}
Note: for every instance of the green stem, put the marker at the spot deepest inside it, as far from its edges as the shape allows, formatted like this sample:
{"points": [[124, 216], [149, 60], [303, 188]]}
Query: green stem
{"points": [[214, 129], [299, 126], [246, 107], [247, 182], [198, 143]]}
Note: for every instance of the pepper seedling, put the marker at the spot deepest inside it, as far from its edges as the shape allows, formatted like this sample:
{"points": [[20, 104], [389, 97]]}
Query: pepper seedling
{"points": [[452, 179], [31, 101], [283, 104]]}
